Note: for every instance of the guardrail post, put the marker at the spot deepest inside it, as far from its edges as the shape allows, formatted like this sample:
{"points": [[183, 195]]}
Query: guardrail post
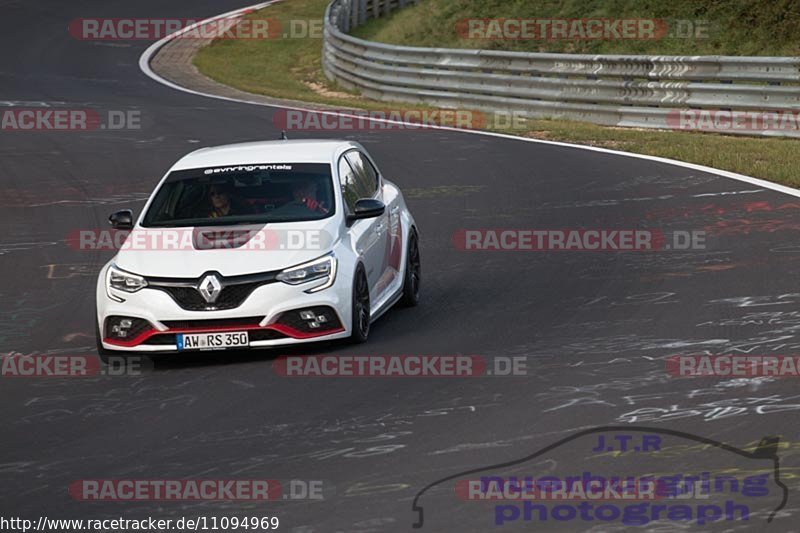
{"points": [[362, 12], [353, 13], [344, 16]]}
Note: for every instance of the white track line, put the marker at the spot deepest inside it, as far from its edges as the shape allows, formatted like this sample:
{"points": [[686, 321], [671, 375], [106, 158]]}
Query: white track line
{"points": [[144, 65]]}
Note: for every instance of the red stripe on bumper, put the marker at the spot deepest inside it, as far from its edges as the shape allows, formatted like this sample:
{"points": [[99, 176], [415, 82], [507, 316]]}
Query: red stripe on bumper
{"points": [[280, 328]]}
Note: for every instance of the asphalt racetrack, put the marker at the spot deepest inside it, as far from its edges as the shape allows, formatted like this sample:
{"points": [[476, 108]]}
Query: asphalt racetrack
{"points": [[594, 327]]}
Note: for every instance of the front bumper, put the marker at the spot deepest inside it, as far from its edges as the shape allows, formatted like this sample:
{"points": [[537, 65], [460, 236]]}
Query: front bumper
{"points": [[270, 315]]}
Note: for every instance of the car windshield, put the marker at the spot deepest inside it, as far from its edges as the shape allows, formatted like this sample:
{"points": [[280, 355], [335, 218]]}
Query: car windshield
{"points": [[246, 194]]}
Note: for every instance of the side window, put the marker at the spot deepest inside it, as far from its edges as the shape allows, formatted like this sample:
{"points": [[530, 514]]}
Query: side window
{"points": [[365, 171], [349, 183]]}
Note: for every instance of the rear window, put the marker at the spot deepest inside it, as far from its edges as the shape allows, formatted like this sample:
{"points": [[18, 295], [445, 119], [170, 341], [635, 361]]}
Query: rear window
{"points": [[246, 194]]}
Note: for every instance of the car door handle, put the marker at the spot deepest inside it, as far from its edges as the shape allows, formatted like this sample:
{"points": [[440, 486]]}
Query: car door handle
{"points": [[395, 209]]}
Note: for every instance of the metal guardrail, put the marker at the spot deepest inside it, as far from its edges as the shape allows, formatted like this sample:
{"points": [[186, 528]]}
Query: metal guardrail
{"points": [[614, 90]]}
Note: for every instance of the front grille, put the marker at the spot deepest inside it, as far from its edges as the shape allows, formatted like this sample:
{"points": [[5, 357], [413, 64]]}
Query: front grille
{"points": [[265, 335], [230, 297], [234, 292], [161, 340], [214, 323]]}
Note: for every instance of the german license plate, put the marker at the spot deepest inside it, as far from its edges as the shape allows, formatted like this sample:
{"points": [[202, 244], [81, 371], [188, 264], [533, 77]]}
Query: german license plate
{"points": [[212, 341]]}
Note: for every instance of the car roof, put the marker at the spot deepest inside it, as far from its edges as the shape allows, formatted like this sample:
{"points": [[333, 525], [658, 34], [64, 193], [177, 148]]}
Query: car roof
{"points": [[285, 151]]}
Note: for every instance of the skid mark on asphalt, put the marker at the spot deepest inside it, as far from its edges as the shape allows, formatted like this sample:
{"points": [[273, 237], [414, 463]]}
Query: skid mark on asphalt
{"points": [[713, 411], [791, 298], [24, 315], [66, 271], [757, 318], [682, 399], [108, 200], [728, 193], [667, 182], [648, 298], [10, 247], [444, 191]]}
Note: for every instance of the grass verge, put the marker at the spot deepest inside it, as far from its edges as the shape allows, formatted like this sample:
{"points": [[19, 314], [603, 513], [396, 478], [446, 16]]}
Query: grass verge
{"points": [[686, 27], [292, 69]]}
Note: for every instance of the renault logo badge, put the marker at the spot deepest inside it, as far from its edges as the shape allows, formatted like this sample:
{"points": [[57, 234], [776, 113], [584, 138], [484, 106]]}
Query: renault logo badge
{"points": [[209, 288]]}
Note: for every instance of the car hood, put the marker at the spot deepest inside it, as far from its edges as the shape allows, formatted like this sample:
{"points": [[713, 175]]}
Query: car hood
{"points": [[228, 250]]}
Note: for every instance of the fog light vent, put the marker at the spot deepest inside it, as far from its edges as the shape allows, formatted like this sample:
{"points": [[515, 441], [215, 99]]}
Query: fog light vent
{"points": [[124, 328]]}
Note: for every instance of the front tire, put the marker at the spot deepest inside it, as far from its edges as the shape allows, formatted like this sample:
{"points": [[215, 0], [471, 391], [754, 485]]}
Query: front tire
{"points": [[412, 277], [360, 307]]}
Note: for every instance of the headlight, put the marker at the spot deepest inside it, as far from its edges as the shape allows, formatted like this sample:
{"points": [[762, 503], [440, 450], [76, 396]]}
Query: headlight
{"points": [[323, 268], [117, 278]]}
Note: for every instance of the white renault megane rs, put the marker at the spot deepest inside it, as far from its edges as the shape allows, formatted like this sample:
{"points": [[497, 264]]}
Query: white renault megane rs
{"points": [[256, 245]]}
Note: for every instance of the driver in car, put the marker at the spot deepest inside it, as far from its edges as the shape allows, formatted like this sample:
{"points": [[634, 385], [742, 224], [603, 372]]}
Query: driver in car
{"points": [[221, 202], [305, 192]]}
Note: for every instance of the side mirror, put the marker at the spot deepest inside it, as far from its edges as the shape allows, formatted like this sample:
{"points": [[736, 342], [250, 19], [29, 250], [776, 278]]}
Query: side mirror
{"points": [[366, 208], [121, 219]]}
